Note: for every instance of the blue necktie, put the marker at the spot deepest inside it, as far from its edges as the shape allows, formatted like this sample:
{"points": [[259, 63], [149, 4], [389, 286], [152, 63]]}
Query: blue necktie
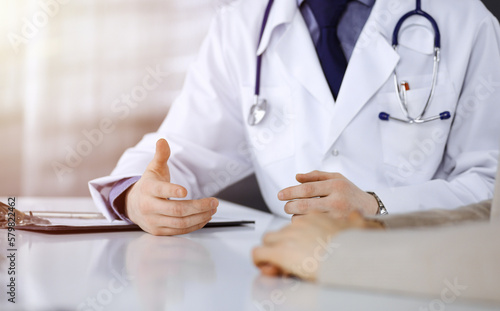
{"points": [[330, 53]]}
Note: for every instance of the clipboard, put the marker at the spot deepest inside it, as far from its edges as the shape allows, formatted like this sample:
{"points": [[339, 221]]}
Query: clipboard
{"points": [[114, 227], [75, 222]]}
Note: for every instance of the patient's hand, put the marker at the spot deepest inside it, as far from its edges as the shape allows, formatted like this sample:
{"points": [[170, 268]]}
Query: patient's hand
{"points": [[148, 204], [299, 249]]}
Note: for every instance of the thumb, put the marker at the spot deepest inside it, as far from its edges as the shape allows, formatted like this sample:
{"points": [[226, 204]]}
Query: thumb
{"points": [[159, 162]]}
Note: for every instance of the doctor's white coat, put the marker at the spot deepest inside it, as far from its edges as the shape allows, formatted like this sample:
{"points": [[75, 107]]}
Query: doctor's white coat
{"points": [[440, 164]]}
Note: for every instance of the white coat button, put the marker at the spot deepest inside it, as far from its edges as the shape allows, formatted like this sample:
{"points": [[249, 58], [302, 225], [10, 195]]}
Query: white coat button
{"points": [[335, 152]]}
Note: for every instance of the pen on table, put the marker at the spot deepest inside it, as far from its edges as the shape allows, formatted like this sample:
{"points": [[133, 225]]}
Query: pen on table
{"points": [[78, 215]]}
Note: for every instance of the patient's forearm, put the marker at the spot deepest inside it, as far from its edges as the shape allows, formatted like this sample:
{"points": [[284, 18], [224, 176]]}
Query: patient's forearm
{"points": [[418, 261], [474, 212]]}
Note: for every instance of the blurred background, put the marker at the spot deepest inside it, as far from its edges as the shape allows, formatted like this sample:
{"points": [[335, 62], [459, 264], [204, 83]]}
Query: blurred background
{"points": [[69, 66], [82, 80]]}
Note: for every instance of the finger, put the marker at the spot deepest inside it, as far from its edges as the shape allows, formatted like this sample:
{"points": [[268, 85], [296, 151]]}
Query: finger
{"points": [[337, 215], [272, 238], [164, 231], [317, 176], [267, 256], [181, 208], [270, 270], [296, 218], [159, 162], [183, 222], [163, 189], [306, 206], [306, 190]]}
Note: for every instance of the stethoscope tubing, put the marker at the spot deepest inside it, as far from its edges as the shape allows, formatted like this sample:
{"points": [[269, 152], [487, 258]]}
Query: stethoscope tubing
{"points": [[418, 11], [259, 58], [259, 105]]}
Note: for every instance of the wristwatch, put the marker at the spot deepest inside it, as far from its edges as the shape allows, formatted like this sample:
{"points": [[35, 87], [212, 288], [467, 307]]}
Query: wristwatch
{"points": [[381, 207]]}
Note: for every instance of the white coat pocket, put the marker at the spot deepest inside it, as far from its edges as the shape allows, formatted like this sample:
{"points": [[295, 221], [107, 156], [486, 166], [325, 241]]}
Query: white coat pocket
{"points": [[412, 148], [273, 138]]}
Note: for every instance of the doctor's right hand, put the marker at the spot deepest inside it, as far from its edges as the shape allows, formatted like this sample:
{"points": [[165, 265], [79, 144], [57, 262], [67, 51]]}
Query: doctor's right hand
{"points": [[148, 204]]}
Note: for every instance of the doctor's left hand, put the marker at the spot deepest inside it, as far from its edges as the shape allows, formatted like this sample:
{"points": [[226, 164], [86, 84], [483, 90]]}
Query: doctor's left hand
{"points": [[325, 192]]}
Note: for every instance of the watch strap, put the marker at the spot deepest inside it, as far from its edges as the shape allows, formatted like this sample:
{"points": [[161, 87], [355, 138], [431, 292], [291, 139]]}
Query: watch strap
{"points": [[381, 207]]}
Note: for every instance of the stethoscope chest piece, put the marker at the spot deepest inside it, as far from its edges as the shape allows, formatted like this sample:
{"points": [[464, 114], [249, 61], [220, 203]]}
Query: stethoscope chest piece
{"points": [[257, 111]]}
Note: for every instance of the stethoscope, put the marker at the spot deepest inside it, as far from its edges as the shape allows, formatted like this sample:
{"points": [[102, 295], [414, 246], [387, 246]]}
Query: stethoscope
{"points": [[403, 87], [259, 108]]}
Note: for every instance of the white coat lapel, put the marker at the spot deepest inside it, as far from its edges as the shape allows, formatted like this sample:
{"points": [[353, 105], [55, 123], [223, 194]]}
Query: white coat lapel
{"points": [[371, 64], [282, 12], [296, 50]]}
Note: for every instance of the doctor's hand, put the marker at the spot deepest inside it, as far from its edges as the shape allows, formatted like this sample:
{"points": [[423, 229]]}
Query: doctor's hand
{"points": [[148, 204], [300, 248], [329, 193]]}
